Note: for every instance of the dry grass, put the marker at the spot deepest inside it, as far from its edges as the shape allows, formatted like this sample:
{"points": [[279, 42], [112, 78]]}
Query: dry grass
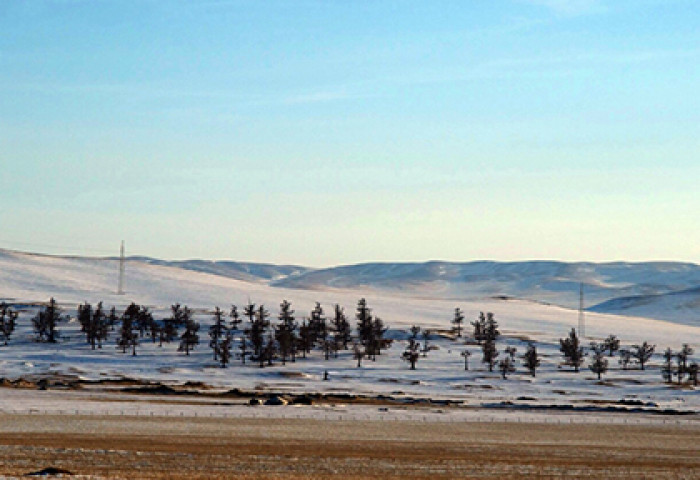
{"points": [[205, 448]]}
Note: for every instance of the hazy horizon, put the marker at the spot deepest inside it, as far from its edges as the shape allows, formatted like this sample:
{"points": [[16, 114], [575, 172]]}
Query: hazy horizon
{"points": [[136, 255]]}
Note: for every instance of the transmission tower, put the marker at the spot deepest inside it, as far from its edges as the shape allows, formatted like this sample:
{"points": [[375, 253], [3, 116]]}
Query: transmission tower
{"points": [[581, 316], [120, 288]]}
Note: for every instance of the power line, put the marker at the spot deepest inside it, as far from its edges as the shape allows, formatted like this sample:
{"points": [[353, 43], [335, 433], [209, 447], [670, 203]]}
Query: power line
{"points": [[581, 317]]}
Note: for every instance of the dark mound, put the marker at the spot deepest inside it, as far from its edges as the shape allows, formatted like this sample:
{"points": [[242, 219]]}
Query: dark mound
{"points": [[49, 471]]}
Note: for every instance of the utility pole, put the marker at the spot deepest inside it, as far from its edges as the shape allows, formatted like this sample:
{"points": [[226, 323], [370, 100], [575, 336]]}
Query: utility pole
{"points": [[120, 288], [581, 317]]}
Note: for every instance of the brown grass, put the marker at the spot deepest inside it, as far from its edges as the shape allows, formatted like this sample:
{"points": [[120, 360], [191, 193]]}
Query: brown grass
{"points": [[206, 448]]}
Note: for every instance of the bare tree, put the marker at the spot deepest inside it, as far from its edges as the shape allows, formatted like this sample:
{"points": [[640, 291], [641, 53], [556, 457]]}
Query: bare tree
{"points": [[217, 330], [305, 340], [426, 346], [611, 345], [224, 349], [489, 353], [682, 357], [269, 350], [235, 318], [479, 328], [177, 315], [168, 332], [101, 325], [667, 368], [317, 324], [358, 352], [506, 366], [93, 323], [112, 318], [599, 364], [243, 351], [323, 337], [365, 322], [466, 354], [128, 337], [625, 358], [8, 320], [84, 319], [285, 332], [531, 359], [491, 331], [342, 328], [144, 322], [457, 321], [189, 338], [684, 354], [154, 330], [411, 354], [572, 351], [377, 340], [46, 321], [642, 353], [693, 373], [257, 328]]}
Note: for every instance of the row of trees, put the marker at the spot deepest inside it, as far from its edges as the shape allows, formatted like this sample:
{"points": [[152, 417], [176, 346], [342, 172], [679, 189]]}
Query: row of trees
{"points": [[485, 333], [263, 341], [256, 338]]}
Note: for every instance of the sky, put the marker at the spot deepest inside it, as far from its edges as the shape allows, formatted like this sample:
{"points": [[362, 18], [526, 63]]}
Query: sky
{"points": [[331, 132]]}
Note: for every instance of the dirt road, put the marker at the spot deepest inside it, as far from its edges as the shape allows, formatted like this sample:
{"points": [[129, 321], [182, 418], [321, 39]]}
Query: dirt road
{"points": [[207, 448]]}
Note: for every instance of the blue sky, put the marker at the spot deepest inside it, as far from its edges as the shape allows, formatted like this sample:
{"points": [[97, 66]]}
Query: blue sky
{"points": [[327, 132]]}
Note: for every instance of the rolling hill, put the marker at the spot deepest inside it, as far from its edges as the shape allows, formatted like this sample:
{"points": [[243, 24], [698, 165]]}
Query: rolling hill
{"points": [[660, 290]]}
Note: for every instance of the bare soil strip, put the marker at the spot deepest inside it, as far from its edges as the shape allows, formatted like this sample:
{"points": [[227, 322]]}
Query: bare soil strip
{"points": [[205, 448]]}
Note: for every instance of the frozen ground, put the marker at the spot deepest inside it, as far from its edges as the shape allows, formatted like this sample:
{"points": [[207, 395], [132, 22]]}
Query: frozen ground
{"points": [[193, 448], [94, 403]]}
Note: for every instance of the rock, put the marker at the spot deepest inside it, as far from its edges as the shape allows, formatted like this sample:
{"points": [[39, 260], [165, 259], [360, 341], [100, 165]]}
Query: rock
{"points": [[50, 471], [155, 390], [302, 400], [276, 401], [22, 383]]}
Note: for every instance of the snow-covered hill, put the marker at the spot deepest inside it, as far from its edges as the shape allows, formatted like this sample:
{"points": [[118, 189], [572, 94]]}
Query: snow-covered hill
{"points": [[71, 280], [682, 306], [251, 272], [554, 282], [26, 278], [660, 290]]}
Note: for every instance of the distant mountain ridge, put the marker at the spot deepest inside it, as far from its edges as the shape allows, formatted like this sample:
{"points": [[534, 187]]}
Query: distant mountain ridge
{"points": [[248, 271], [549, 281], [655, 289], [663, 290]]}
